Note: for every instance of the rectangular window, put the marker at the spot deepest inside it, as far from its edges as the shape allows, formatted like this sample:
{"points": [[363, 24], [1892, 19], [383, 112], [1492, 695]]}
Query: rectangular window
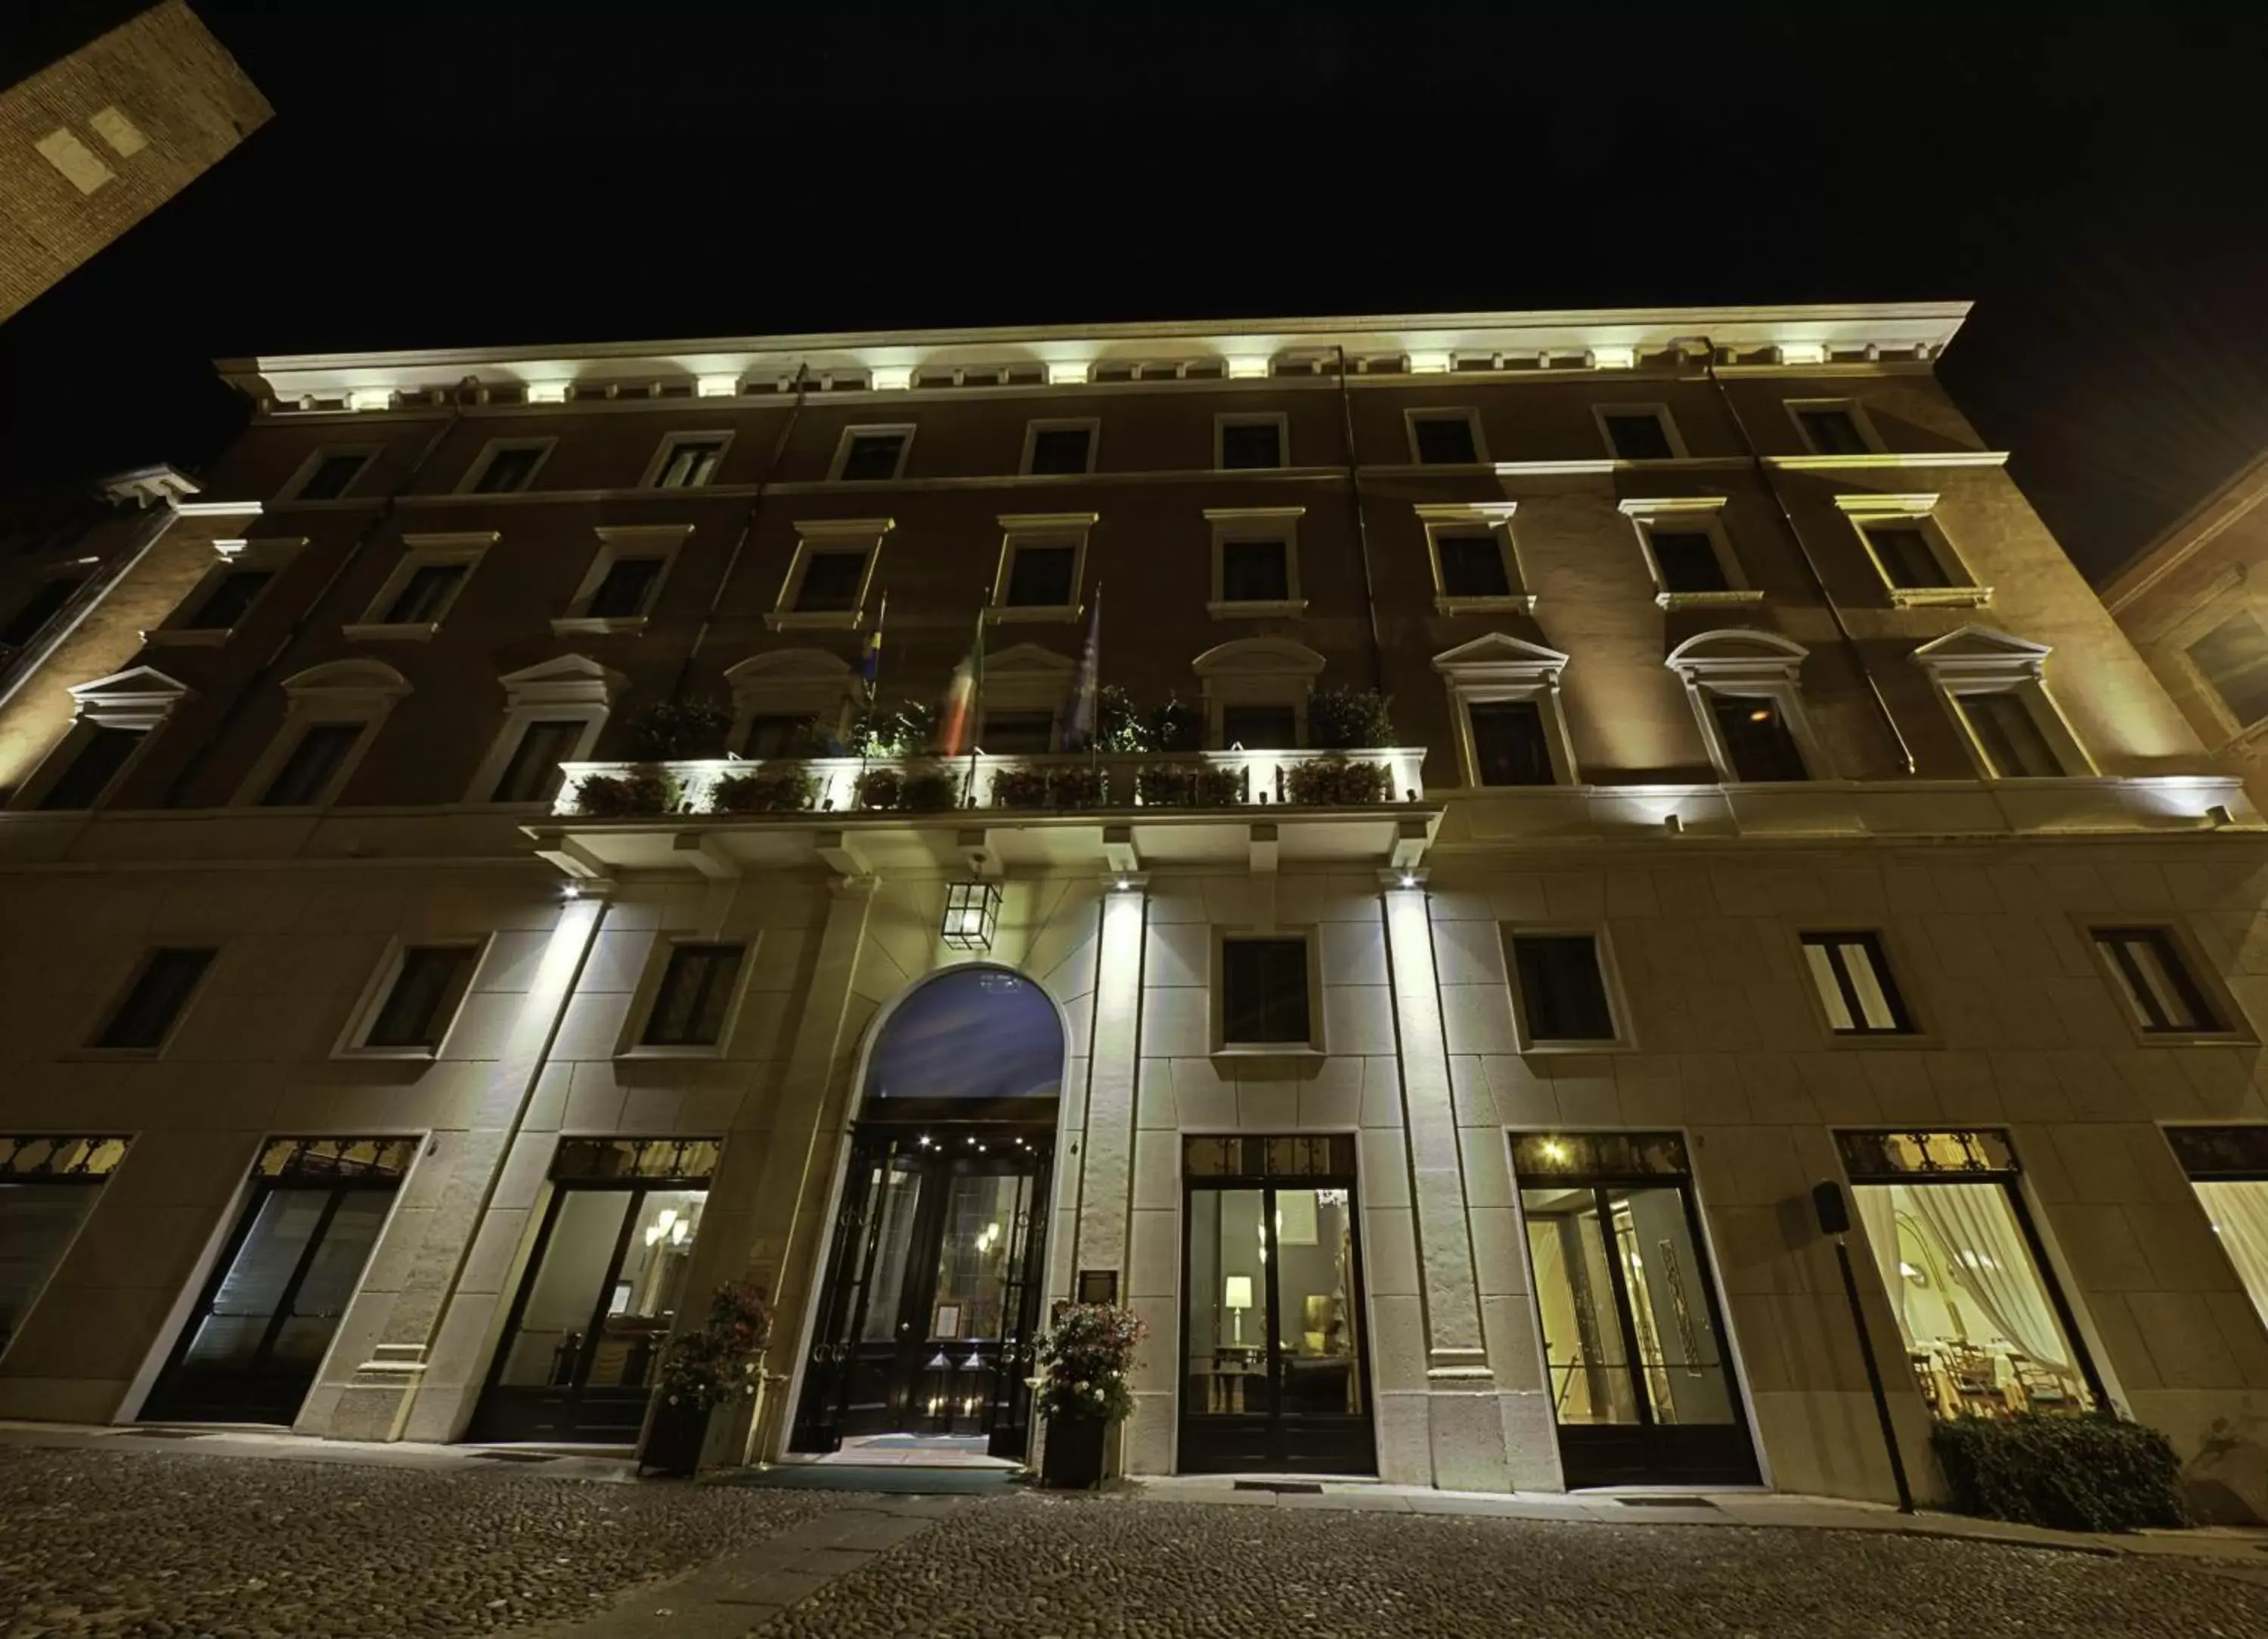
{"points": [[1039, 576], [1756, 736], [689, 464], [1255, 571], [872, 455], [154, 1002], [2227, 1166], [1638, 435], [1263, 993], [831, 582], [1472, 564], [424, 996], [2234, 657], [1563, 991], [531, 774], [1260, 728], [333, 475], [1852, 978], [1251, 446], [1017, 733], [2000, 721], [1907, 559], [780, 734], [1446, 439], [307, 772], [42, 605], [100, 757], [509, 469], [41, 1212], [1832, 431], [426, 594], [626, 589], [1057, 451], [1687, 560], [1509, 745], [232, 596], [2152, 975], [697, 988]]}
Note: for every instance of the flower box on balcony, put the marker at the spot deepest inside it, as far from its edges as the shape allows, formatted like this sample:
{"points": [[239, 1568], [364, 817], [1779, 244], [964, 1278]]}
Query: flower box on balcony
{"points": [[1336, 783], [909, 790], [638, 792], [1190, 786], [1074, 786], [767, 791]]}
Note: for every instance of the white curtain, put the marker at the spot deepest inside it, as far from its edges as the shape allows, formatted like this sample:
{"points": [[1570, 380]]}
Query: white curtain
{"points": [[1986, 1253], [2239, 1212], [1877, 1215]]}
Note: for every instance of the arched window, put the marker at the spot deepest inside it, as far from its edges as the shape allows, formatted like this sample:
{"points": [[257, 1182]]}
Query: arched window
{"points": [[1256, 692], [787, 703], [1748, 696]]}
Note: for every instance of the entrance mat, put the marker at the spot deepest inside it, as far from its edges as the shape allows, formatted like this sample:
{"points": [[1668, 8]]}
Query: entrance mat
{"points": [[161, 1434], [1282, 1487], [901, 1481], [519, 1457], [1665, 1502]]}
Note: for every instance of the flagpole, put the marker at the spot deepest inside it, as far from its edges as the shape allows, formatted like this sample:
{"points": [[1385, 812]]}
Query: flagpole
{"points": [[872, 668]]}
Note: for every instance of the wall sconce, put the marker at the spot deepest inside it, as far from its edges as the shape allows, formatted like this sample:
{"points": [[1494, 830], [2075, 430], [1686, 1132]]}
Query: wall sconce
{"points": [[971, 910]]}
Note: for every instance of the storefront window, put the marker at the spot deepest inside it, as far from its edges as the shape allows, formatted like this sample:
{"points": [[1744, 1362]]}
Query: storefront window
{"points": [[47, 1186], [2227, 1166], [1984, 1327]]}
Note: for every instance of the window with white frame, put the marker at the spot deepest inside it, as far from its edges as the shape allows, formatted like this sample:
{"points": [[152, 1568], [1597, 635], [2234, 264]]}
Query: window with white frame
{"points": [[1445, 437], [1563, 990], [1043, 566], [790, 702], [1251, 442], [690, 996], [506, 466], [1747, 698], [2160, 982], [552, 713], [1255, 690], [154, 1001], [1852, 981], [1909, 550], [829, 576], [1688, 551], [1256, 562], [1475, 563], [868, 454], [113, 720], [625, 576], [1639, 432], [1060, 449], [1025, 688], [329, 474], [1995, 688], [1503, 700], [419, 991], [226, 596], [424, 585], [687, 460], [1267, 998], [1833, 427], [332, 713], [2231, 658]]}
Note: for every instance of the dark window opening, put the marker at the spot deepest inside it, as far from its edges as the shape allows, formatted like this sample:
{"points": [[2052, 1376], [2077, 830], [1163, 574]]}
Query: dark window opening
{"points": [[155, 1000], [532, 773], [1057, 451], [688, 1009], [1904, 554], [1446, 441], [1562, 991], [1260, 728], [872, 455], [332, 476], [36, 611], [424, 996], [831, 582], [780, 734], [312, 762], [508, 470], [102, 755], [1245, 445], [1509, 745], [2234, 657], [1017, 733], [2156, 981], [1757, 741], [1832, 431], [1040, 578], [626, 589], [1688, 561], [2006, 732], [226, 605], [1255, 571], [690, 463], [1264, 992], [1472, 564], [425, 594], [1638, 436]]}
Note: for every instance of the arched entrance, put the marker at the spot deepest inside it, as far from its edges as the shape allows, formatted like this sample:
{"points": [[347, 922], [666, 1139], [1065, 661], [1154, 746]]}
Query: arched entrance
{"points": [[932, 1282]]}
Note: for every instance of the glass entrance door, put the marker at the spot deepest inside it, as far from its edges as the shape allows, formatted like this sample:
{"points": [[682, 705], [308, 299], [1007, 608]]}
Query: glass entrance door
{"points": [[927, 1321], [1641, 1385], [265, 1321], [1274, 1376]]}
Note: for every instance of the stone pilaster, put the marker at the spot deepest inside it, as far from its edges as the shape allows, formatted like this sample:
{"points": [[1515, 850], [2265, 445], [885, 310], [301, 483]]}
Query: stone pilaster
{"points": [[1107, 1177]]}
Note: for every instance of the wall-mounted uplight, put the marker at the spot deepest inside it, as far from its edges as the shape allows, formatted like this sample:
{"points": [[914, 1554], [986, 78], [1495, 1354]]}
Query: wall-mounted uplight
{"points": [[1430, 364], [723, 386], [1248, 368], [892, 378], [370, 398], [972, 909], [547, 392]]}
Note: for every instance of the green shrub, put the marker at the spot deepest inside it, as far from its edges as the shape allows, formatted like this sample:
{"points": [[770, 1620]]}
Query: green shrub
{"points": [[1348, 719], [1070, 785], [2075, 1473], [1019, 788], [1174, 726], [1190, 786], [784, 790], [626, 795], [913, 790], [1336, 783], [680, 731], [901, 730], [1119, 725]]}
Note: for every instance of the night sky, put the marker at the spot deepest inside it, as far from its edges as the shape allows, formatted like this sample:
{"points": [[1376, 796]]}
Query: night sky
{"points": [[495, 171]]}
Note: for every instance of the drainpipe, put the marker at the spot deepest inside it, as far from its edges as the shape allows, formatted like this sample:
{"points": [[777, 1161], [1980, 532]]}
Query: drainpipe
{"points": [[1361, 526], [1787, 524], [213, 737], [747, 527]]}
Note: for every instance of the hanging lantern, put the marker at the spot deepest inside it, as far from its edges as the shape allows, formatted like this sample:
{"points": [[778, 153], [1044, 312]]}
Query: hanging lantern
{"points": [[971, 909]]}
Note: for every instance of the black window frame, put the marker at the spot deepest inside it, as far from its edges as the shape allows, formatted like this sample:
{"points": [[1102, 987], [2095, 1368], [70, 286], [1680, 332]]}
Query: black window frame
{"points": [[1230, 712], [1722, 702], [521, 757], [1236, 429], [1546, 997], [1044, 436], [1264, 959], [1657, 532], [167, 976], [712, 1003], [852, 598], [2113, 943], [304, 772], [1525, 708], [641, 573], [1019, 553], [1807, 414], [1657, 422], [1834, 944], [1468, 430], [1243, 546], [1466, 537], [855, 437], [444, 974], [677, 446]]}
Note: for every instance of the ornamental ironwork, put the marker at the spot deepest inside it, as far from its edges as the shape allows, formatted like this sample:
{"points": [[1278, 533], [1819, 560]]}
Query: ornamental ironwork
{"points": [[1320, 1155], [2224, 1152], [636, 1160], [1570, 1157], [1980, 1152], [335, 1160], [53, 1158]]}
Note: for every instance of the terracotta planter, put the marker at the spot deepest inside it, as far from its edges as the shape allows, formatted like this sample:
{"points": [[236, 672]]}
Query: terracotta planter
{"points": [[1073, 1460]]}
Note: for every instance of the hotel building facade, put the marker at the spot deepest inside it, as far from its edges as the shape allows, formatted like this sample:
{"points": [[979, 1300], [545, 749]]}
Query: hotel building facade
{"points": [[414, 1001]]}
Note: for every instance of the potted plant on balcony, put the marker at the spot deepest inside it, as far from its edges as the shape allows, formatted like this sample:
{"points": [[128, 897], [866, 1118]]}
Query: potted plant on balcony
{"points": [[1344, 719], [1176, 726], [1337, 782], [646, 790], [1188, 785], [786, 789], [680, 731], [1085, 1362], [1019, 788], [705, 1368]]}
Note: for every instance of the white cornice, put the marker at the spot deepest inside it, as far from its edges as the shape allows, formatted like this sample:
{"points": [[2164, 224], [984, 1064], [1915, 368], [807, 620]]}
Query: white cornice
{"points": [[1068, 355]]}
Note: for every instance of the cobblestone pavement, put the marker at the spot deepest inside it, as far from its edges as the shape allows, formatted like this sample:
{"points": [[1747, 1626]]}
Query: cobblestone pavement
{"points": [[165, 1543], [1033, 1567]]}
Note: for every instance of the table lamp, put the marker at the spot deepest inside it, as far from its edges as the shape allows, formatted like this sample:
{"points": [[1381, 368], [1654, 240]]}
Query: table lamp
{"points": [[1237, 1299]]}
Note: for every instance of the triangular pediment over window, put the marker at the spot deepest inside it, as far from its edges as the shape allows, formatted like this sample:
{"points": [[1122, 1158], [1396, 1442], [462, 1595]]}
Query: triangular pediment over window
{"points": [[139, 697], [1980, 651], [1496, 651]]}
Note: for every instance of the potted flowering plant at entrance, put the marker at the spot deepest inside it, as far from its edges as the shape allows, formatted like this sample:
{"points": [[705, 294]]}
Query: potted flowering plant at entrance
{"points": [[710, 1365], [1085, 1363]]}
